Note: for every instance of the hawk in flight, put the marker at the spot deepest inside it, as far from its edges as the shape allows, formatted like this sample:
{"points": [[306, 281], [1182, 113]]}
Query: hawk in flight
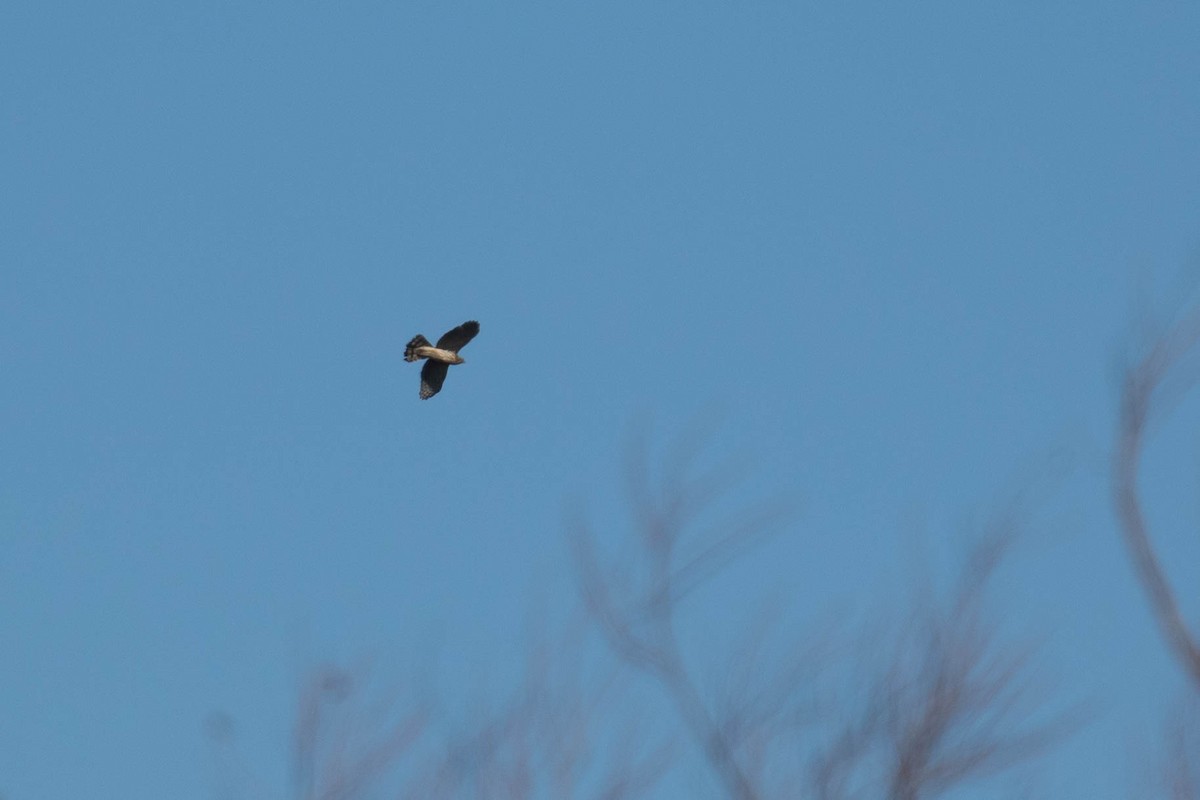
{"points": [[439, 357]]}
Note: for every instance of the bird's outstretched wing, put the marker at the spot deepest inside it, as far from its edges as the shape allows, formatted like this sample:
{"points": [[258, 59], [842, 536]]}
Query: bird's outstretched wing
{"points": [[433, 373], [455, 338]]}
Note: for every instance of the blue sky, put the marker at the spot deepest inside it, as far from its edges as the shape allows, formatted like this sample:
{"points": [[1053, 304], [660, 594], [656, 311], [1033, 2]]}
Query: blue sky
{"points": [[899, 251]]}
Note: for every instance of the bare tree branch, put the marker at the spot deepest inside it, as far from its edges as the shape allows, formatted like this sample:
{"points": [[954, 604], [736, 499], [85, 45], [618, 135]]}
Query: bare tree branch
{"points": [[1142, 402], [951, 705], [555, 738], [959, 711], [340, 758], [640, 625]]}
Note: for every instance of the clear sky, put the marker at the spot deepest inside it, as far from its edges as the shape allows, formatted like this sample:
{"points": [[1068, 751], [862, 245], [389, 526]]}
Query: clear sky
{"points": [[899, 250]]}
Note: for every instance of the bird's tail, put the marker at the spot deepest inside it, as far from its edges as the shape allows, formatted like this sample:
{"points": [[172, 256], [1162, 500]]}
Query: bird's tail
{"points": [[417, 341]]}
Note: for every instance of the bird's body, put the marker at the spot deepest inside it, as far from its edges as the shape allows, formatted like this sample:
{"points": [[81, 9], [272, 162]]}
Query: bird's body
{"points": [[419, 351], [439, 357]]}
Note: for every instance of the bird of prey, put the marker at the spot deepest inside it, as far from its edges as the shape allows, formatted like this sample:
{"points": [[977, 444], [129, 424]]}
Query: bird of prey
{"points": [[439, 357]]}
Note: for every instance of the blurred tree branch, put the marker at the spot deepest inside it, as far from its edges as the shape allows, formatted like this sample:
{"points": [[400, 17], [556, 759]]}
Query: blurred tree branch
{"points": [[1146, 396], [949, 706], [951, 703], [935, 704], [954, 704], [331, 760], [554, 738], [638, 621], [548, 741]]}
